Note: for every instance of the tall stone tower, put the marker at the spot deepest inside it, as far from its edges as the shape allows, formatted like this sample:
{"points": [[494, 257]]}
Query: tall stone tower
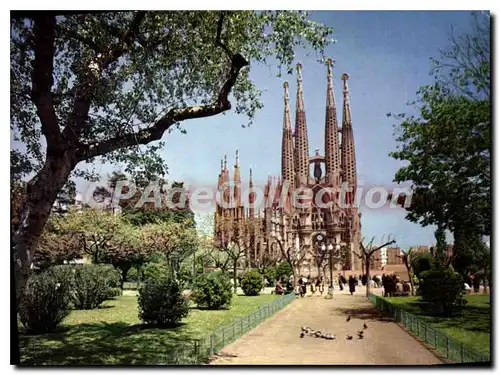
{"points": [[322, 213]]}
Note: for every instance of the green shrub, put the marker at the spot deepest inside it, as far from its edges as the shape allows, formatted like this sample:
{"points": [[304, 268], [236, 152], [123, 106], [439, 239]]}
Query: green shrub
{"points": [[441, 291], [251, 283], [424, 261], [133, 275], [92, 284], [284, 271], [270, 275], [213, 290], [161, 302], [155, 270], [114, 292], [45, 302]]}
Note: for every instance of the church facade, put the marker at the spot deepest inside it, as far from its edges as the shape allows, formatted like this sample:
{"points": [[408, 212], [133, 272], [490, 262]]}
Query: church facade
{"points": [[307, 212]]}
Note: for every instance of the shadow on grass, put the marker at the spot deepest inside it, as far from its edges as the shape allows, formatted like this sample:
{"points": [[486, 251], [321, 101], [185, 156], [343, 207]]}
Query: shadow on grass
{"points": [[366, 313], [107, 343]]}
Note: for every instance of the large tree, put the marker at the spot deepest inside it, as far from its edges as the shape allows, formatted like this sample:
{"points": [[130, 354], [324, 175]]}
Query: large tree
{"points": [[447, 147], [175, 241], [108, 86]]}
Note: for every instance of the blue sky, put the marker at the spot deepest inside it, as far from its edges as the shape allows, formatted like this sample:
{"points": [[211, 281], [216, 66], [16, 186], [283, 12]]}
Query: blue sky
{"points": [[387, 57]]}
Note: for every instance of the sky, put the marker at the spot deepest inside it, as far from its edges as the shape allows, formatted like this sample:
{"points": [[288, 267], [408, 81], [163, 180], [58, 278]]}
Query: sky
{"points": [[387, 56]]}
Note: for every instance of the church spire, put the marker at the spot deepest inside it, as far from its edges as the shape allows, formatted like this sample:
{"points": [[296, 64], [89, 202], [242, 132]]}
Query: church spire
{"points": [[301, 142], [348, 153], [287, 171], [227, 190], [332, 157], [237, 184], [251, 197]]}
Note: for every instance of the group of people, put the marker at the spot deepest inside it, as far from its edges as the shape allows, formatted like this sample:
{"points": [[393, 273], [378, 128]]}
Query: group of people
{"points": [[392, 284], [394, 287]]}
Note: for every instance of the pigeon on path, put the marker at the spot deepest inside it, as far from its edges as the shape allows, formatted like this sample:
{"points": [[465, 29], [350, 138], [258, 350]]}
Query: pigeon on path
{"points": [[349, 337], [348, 318], [365, 326]]}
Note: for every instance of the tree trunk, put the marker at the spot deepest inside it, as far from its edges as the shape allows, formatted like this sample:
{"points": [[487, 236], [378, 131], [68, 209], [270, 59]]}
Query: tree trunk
{"points": [[367, 273], [124, 272], [41, 193], [412, 284], [15, 355], [235, 268]]}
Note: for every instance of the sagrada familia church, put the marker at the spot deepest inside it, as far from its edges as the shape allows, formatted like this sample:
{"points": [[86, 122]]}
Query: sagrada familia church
{"points": [[305, 230]]}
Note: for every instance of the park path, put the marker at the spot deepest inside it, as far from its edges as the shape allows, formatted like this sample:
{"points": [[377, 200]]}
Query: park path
{"points": [[277, 340]]}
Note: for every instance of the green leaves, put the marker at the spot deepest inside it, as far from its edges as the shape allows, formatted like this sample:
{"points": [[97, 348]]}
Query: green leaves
{"points": [[448, 147], [132, 76]]}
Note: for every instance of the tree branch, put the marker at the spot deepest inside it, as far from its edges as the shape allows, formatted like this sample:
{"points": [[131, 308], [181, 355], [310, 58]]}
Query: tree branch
{"points": [[42, 80], [155, 132], [218, 38]]}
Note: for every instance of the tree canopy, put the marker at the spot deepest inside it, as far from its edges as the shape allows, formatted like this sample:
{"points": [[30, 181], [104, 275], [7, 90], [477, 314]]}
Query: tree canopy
{"points": [[447, 147], [108, 84]]}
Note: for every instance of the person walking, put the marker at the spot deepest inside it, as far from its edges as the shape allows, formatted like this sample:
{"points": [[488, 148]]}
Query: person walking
{"points": [[341, 284], [352, 284], [313, 286], [302, 287], [320, 285]]}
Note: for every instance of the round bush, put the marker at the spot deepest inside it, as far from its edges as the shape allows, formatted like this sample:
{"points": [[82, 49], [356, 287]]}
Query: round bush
{"points": [[251, 283], [133, 275], [161, 302], [441, 291], [155, 270], [284, 271], [213, 290], [45, 303], [92, 284]]}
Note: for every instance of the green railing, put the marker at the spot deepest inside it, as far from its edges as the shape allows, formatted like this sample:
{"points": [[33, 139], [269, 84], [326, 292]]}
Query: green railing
{"points": [[199, 351], [448, 347]]}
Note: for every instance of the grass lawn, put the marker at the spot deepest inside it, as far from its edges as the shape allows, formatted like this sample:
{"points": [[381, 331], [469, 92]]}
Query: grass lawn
{"points": [[472, 326], [113, 334]]}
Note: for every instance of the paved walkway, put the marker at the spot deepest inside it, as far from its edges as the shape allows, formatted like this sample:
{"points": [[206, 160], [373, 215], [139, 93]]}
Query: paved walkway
{"points": [[277, 340]]}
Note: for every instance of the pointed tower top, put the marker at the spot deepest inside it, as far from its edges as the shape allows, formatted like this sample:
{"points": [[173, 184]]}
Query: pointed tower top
{"points": [[299, 71], [236, 165], [221, 164], [330, 101], [345, 78], [287, 125], [300, 99], [251, 182], [347, 108], [225, 162]]}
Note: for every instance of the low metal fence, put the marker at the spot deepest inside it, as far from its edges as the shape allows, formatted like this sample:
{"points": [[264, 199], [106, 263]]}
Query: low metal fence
{"points": [[199, 351], [448, 347]]}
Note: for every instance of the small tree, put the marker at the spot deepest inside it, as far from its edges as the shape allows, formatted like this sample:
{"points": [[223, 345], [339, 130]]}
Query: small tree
{"points": [[409, 259], [251, 282], [213, 290], [161, 302], [284, 269], [441, 290], [45, 302], [366, 256]]}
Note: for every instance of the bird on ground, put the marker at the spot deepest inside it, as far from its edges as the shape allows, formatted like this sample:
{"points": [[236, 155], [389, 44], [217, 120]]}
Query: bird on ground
{"points": [[349, 337], [301, 334], [360, 334], [348, 318], [303, 329], [365, 326], [317, 333]]}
